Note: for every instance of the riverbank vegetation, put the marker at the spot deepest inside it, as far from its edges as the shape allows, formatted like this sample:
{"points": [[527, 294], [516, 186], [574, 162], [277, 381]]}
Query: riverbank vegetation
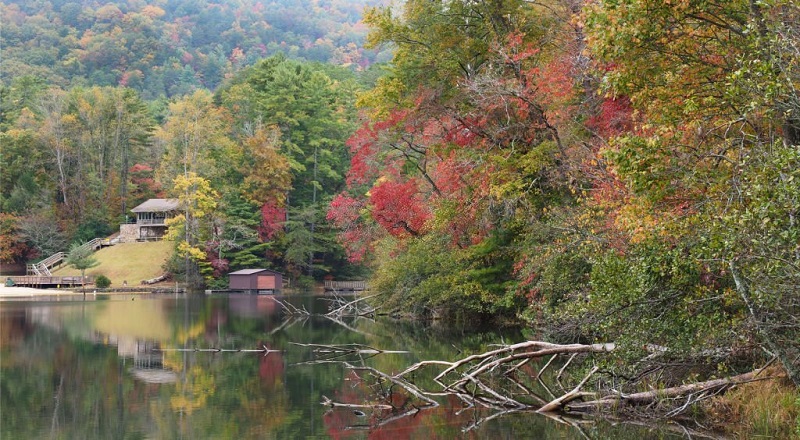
{"points": [[614, 171], [620, 172]]}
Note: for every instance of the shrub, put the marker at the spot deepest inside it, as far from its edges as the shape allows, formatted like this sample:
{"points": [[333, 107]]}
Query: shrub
{"points": [[102, 281], [763, 409]]}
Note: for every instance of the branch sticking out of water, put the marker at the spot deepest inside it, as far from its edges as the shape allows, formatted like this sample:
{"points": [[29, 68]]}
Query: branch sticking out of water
{"points": [[290, 309], [342, 308], [334, 352], [264, 350]]}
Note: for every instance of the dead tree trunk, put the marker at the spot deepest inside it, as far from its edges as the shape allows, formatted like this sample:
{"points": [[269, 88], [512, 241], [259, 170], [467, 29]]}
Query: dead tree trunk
{"points": [[756, 316], [692, 393]]}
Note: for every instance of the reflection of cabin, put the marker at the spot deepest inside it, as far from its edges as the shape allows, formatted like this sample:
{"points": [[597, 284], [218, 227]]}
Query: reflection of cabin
{"points": [[256, 280], [151, 218], [148, 361]]}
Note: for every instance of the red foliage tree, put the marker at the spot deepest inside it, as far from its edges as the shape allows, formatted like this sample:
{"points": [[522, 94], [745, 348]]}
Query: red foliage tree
{"points": [[13, 248], [399, 208], [145, 185], [368, 152], [354, 233], [273, 218], [614, 117]]}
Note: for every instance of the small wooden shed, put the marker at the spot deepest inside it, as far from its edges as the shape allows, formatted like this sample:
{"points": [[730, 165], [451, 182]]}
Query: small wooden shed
{"points": [[256, 280]]}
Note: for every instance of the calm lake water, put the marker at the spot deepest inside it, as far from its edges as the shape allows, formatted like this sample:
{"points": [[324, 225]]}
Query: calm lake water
{"points": [[108, 368]]}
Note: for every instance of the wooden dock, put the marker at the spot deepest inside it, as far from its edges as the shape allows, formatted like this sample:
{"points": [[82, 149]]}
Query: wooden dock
{"points": [[49, 282], [345, 286]]}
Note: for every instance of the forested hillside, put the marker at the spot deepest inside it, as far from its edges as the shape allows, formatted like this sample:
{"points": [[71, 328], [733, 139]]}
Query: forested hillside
{"points": [[623, 171], [256, 164], [172, 47], [105, 105]]}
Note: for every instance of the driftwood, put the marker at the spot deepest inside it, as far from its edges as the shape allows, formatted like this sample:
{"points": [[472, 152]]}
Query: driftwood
{"points": [[347, 326], [157, 279], [576, 393], [471, 376], [339, 310], [328, 402]]}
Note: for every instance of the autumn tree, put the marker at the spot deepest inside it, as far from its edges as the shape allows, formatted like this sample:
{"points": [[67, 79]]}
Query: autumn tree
{"points": [[13, 247], [294, 119], [465, 140], [192, 229], [713, 96], [196, 139]]}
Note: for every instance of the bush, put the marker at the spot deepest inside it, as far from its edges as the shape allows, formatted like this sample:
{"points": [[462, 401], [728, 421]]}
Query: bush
{"points": [[102, 281], [797, 420]]}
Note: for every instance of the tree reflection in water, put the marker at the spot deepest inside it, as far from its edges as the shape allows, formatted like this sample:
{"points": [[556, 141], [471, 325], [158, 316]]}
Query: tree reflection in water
{"points": [[104, 369]]}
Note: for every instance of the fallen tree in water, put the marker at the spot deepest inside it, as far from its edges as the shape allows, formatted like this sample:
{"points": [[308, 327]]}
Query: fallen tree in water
{"points": [[687, 395], [503, 380]]}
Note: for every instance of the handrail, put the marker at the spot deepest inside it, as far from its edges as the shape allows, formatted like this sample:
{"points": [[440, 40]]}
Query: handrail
{"points": [[345, 285], [43, 267], [53, 258], [152, 222], [34, 281]]}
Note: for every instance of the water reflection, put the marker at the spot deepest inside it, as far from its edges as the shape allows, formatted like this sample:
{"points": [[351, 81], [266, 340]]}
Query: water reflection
{"points": [[125, 367], [148, 361]]}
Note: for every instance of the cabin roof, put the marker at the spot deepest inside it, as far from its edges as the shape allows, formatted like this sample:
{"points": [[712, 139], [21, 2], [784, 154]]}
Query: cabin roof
{"points": [[158, 205], [252, 271]]}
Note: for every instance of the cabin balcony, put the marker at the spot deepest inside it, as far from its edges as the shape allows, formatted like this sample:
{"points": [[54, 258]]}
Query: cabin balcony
{"points": [[151, 222]]}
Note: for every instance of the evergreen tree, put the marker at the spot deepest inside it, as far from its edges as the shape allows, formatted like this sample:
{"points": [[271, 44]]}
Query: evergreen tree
{"points": [[82, 257]]}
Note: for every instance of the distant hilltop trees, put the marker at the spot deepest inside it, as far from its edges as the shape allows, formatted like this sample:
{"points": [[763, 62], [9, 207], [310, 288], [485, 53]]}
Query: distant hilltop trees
{"points": [[175, 47]]}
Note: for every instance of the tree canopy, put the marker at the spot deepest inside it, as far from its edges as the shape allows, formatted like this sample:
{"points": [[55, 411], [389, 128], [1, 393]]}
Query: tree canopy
{"points": [[609, 168], [173, 48]]}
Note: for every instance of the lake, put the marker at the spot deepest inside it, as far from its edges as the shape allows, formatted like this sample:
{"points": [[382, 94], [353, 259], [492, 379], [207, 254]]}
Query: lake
{"points": [[125, 367]]}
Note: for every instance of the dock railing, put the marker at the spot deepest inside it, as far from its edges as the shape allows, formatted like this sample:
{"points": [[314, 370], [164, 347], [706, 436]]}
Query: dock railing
{"points": [[351, 286], [50, 281]]}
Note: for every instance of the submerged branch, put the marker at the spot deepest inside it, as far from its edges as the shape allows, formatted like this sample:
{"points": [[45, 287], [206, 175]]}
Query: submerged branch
{"points": [[290, 309], [328, 402], [264, 350], [351, 308], [495, 380], [334, 352]]}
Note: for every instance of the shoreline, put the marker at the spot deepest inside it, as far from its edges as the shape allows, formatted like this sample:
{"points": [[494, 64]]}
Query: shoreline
{"points": [[15, 292], [21, 292]]}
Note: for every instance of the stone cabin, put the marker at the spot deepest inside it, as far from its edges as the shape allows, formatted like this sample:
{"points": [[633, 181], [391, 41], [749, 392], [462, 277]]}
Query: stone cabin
{"points": [[151, 218]]}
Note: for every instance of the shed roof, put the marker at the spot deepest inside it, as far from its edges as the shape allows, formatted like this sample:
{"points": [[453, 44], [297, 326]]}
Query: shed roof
{"points": [[158, 205], [252, 271]]}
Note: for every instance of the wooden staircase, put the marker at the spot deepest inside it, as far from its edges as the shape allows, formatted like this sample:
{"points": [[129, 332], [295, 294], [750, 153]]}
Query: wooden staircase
{"points": [[43, 267]]}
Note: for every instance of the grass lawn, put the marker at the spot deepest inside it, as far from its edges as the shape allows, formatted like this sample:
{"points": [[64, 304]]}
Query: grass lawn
{"points": [[131, 262]]}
